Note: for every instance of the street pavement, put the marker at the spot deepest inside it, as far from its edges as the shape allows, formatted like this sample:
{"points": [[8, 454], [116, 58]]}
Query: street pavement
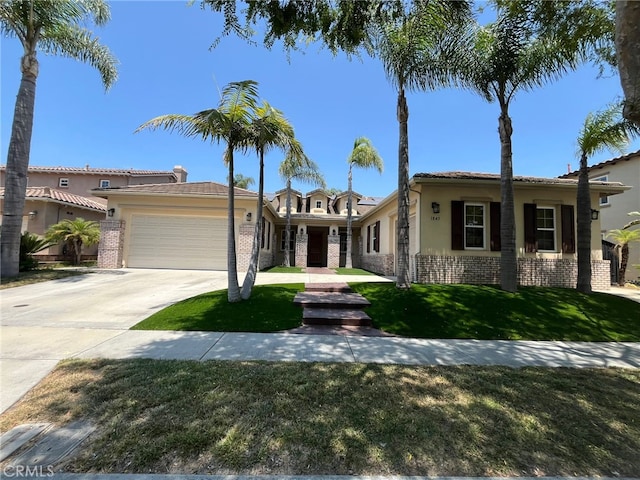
{"points": [[89, 316]]}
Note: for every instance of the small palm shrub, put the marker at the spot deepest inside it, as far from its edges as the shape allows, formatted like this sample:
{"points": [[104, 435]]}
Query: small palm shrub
{"points": [[30, 243]]}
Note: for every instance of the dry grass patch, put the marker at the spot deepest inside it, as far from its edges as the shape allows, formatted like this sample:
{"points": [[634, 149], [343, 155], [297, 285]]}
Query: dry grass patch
{"points": [[314, 418]]}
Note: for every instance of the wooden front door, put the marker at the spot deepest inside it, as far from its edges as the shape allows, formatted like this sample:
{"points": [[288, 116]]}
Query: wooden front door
{"points": [[316, 256]]}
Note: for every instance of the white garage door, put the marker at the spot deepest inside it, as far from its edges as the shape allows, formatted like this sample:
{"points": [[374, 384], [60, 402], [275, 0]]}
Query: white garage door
{"points": [[178, 242]]}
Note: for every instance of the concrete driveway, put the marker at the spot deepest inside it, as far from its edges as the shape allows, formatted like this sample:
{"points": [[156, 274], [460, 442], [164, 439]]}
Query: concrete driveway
{"points": [[44, 323]]}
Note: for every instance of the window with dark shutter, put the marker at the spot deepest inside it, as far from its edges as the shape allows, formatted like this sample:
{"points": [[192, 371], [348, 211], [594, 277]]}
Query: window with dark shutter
{"points": [[568, 229], [494, 226], [457, 225], [376, 236], [263, 232], [368, 238], [268, 235], [530, 241]]}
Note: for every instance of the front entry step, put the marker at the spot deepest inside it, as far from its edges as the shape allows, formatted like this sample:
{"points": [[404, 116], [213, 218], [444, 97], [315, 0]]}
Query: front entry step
{"points": [[327, 287], [331, 300], [330, 316]]}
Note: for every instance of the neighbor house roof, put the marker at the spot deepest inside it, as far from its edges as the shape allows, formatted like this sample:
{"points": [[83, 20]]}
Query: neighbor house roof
{"points": [[59, 196], [98, 171], [318, 190], [601, 165], [187, 188]]}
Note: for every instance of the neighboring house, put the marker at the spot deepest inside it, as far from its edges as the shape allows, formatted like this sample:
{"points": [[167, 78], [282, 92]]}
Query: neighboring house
{"points": [[614, 210], [58, 193], [454, 229]]}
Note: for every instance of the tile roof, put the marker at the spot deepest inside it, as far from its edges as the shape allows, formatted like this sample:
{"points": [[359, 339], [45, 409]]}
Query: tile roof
{"points": [[186, 188], [62, 197], [493, 177], [613, 161], [97, 171]]}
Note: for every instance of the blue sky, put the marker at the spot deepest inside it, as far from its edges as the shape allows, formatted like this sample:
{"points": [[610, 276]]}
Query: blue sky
{"points": [[166, 66]]}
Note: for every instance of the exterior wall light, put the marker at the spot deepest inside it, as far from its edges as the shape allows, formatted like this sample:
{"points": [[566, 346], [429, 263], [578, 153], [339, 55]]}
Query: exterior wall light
{"points": [[435, 206], [110, 212], [32, 214], [595, 214], [249, 215], [334, 231], [301, 230]]}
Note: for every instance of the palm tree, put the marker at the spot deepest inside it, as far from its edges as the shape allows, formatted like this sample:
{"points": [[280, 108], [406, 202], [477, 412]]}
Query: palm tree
{"points": [[633, 222], [418, 52], [301, 168], [30, 243], [240, 181], [623, 238], [53, 27], [269, 129], [231, 123], [509, 57], [602, 130], [363, 155], [77, 232], [627, 41]]}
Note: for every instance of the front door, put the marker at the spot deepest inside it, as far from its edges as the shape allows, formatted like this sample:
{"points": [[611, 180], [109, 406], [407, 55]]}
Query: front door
{"points": [[316, 255]]}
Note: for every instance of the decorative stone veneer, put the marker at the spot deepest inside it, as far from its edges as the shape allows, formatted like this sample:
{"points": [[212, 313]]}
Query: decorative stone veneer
{"points": [[110, 249], [380, 264], [486, 270], [243, 247], [302, 241], [333, 251]]}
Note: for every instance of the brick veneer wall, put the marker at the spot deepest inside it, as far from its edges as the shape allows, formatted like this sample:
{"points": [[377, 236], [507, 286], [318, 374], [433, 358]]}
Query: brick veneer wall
{"points": [[333, 251], [243, 248], [380, 264], [302, 240], [486, 270], [110, 249]]}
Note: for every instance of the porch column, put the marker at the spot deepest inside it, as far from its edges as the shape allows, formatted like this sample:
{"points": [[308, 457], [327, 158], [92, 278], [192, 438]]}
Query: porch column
{"points": [[302, 242], [110, 249], [245, 244], [333, 250]]}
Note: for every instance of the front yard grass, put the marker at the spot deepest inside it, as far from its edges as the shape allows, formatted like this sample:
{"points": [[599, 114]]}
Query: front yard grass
{"points": [[281, 269], [315, 419], [269, 309], [352, 271], [425, 311]]}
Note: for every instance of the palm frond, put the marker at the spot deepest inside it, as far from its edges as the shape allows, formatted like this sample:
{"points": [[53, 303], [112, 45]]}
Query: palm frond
{"points": [[365, 155]]}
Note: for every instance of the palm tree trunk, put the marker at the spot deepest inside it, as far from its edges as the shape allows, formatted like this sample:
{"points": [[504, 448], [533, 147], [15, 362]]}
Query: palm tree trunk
{"points": [[624, 260], [508, 259], [584, 228], [250, 278], [287, 232], [402, 278], [233, 289], [627, 48], [17, 166], [77, 248], [348, 263]]}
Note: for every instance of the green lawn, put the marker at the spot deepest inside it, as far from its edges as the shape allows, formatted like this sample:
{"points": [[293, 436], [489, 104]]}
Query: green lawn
{"points": [[425, 311], [40, 275], [281, 269], [352, 271], [269, 309]]}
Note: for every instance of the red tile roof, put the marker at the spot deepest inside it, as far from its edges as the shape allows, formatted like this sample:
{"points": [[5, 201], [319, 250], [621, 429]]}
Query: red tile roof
{"points": [[186, 188], [62, 197], [98, 171], [494, 177], [613, 161]]}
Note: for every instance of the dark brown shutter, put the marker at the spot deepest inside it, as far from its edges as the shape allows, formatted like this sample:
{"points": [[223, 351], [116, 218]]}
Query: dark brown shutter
{"points": [[268, 235], [457, 225], [530, 241], [263, 232], [494, 226], [568, 230], [368, 238], [376, 238]]}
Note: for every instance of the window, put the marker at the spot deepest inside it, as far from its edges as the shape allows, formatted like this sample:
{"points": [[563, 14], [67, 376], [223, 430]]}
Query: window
{"points": [[292, 239], [105, 183], [604, 178], [343, 240], [546, 229], [376, 236], [318, 203], [263, 232], [63, 182], [474, 226]]}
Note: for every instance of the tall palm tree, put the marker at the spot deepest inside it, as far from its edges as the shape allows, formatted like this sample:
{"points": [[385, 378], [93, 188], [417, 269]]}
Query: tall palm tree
{"points": [[627, 41], [509, 57], [633, 222], [602, 130], [623, 238], [231, 123], [363, 155], [301, 168], [418, 52], [77, 233], [240, 181], [53, 27], [269, 129]]}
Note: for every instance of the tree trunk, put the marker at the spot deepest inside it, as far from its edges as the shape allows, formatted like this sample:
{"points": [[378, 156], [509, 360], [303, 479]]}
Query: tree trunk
{"points": [[628, 56], [77, 250], [250, 278], [348, 263], [403, 280], [17, 166], [508, 259], [287, 232], [233, 292], [624, 260], [584, 228]]}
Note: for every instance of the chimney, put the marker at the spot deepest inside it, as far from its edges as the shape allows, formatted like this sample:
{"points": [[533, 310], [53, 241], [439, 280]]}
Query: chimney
{"points": [[180, 173]]}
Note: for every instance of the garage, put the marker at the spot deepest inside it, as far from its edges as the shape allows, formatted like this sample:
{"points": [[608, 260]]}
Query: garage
{"points": [[181, 242]]}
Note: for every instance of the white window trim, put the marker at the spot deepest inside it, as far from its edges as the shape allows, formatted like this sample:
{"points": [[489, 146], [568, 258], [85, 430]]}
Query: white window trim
{"points": [[292, 239], [484, 225], [318, 203], [64, 180], [555, 227], [108, 182], [602, 201]]}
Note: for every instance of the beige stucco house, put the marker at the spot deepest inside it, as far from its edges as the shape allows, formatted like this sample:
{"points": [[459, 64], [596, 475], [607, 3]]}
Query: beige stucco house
{"points": [[454, 228], [614, 209]]}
